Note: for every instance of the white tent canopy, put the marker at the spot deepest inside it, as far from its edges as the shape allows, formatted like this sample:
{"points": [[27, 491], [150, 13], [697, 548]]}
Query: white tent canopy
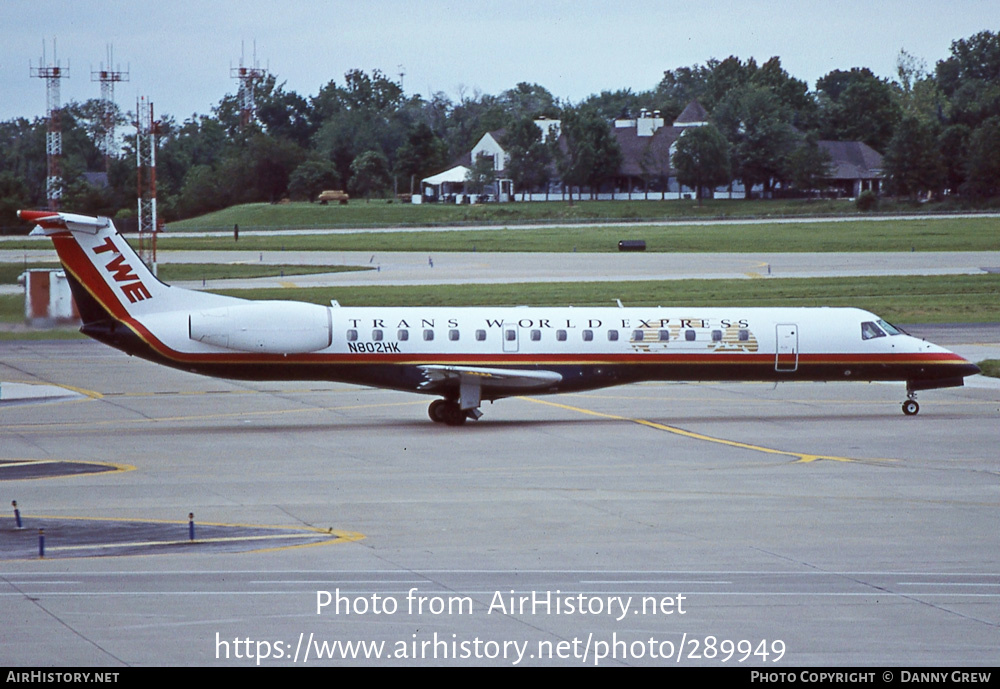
{"points": [[449, 184], [455, 174]]}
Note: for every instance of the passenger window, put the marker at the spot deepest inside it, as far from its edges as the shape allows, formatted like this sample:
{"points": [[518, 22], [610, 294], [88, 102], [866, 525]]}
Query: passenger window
{"points": [[510, 335], [716, 336], [480, 335], [689, 335], [588, 335], [612, 336], [352, 335], [561, 335], [403, 335], [453, 335], [637, 335], [536, 335], [744, 336], [664, 335], [377, 335], [428, 335]]}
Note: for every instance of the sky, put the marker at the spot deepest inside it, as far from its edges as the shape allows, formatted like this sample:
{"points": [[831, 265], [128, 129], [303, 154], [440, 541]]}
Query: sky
{"points": [[179, 53]]}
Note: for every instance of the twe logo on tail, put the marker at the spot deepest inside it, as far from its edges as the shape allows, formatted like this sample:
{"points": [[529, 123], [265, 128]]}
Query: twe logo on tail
{"points": [[122, 272]]}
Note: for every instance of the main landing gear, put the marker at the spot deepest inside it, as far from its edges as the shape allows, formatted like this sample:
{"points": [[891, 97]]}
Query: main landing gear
{"points": [[910, 406], [450, 413]]}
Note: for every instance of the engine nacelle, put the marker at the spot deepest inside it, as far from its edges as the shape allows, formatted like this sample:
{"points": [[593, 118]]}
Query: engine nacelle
{"points": [[270, 327]]}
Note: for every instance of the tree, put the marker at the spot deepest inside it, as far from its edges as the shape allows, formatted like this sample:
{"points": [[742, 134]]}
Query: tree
{"points": [[529, 158], [370, 173], [528, 100], [481, 175], [983, 170], [754, 122], [423, 154], [919, 94], [970, 78], [679, 87], [312, 177], [272, 161], [286, 115], [953, 143], [589, 154], [912, 162], [702, 159], [725, 77], [857, 106], [13, 197], [808, 165]]}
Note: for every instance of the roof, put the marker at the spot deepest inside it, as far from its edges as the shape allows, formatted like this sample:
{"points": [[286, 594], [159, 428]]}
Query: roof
{"points": [[692, 114], [645, 155], [852, 160]]}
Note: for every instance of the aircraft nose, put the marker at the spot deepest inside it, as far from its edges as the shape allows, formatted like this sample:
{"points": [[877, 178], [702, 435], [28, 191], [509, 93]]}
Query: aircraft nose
{"points": [[970, 369]]}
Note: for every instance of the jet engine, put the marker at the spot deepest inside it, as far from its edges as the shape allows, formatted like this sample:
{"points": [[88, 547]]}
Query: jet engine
{"points": [[269, 327]]}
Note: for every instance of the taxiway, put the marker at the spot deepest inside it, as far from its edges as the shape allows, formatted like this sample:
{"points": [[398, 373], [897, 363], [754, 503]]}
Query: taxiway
{"points": [[815, 515]]}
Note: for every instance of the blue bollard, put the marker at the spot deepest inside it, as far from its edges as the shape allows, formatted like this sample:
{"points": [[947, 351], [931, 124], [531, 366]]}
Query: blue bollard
{"points": [[17, 515], [191, 526], [41, 543]]}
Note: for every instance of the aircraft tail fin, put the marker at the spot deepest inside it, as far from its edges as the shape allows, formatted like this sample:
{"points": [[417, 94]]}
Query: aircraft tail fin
{"points": [[108, 279]]}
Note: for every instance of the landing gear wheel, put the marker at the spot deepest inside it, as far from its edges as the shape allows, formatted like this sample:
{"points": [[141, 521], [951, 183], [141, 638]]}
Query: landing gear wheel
{"points": [[434, 411], [910, 407], [446, 412]]}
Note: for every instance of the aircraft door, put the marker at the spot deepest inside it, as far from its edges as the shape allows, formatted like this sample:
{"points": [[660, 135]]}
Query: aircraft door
{"points": [[510, 335], [786, 357]]}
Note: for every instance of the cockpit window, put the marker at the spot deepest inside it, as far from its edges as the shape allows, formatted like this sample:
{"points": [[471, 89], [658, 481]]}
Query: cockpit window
{"points": [[870, 331], [890, 328]]}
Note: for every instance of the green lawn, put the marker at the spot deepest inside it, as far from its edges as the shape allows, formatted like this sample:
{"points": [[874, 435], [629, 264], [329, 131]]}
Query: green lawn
{"points": [[969, 233], [174, 272], [943, 234], [990, 367], [379, 213]]}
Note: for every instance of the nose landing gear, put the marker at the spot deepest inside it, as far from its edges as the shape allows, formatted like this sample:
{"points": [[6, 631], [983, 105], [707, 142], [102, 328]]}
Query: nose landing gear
{"points": [[910, 406]]}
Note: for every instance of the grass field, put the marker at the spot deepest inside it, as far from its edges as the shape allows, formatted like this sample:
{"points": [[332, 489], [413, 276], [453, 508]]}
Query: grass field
{"points": [[942, 234], [384, 214], [388, 214], [175, 272], [990, 367], [968, 233]]}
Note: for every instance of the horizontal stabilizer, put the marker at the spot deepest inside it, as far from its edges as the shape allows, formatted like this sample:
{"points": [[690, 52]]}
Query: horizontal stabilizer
{"points": [[48, 222]]}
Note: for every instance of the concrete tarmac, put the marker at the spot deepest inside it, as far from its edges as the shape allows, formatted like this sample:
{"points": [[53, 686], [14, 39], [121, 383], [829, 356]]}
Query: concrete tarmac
{"points": [[410, 268], [691, 524]]}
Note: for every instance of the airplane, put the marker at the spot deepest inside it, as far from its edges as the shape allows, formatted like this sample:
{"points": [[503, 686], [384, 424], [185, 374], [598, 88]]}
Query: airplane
{"points": [[465, 356]]}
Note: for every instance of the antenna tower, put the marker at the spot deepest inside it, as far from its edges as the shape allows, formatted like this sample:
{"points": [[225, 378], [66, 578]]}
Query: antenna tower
{"points": [[108, 78], [145, 158], [249, 78], [52, 72]]}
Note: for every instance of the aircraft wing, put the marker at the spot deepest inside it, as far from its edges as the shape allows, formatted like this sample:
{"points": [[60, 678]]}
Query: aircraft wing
{"points": [[486, 378]]}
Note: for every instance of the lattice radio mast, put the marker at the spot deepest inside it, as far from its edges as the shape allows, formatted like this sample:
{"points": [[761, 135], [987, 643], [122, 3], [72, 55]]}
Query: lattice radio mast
{"points": [[52, 72], [249, 78], [145, 158], [108, 78]]}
